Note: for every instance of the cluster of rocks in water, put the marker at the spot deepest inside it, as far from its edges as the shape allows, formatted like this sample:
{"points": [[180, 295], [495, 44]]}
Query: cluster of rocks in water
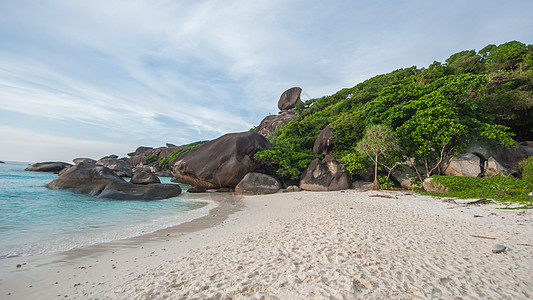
{"points": [[227, 164], [102, 182]]}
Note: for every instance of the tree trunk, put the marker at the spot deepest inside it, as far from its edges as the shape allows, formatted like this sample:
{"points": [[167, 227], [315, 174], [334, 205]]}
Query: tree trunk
{"points": [[376, 182]]}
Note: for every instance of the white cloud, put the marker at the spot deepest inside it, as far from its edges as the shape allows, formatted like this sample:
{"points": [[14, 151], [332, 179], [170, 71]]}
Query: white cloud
{"points": [[25, 145], [149, 71]]}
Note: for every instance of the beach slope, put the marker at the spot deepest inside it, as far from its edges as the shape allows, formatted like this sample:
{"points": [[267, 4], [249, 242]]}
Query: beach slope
{"points": [[334, 245]]}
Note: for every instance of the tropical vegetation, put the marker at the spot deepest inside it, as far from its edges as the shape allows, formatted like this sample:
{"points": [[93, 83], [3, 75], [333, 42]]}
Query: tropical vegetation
{"points": [[432, 112]]}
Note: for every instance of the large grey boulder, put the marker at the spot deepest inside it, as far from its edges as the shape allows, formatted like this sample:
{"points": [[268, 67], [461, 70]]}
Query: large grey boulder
{"points": [[221, 162], [405, 174], [55, 167], [258, 184], [140, 150], [324, 143], [325, 175], [289, 98], [507, 156], [137, 161], [273, 122], [528, 147], [102, 182], [467, 164], [120, 167], [140, 157], [144, 177], [83, 159], [494, 168]]}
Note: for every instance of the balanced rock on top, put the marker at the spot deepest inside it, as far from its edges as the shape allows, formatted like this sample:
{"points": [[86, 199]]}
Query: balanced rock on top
{"points": [[289, 98]]}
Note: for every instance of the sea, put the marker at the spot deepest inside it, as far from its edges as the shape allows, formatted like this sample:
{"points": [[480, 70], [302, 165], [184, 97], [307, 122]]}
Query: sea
{"points": [[35, 220]]}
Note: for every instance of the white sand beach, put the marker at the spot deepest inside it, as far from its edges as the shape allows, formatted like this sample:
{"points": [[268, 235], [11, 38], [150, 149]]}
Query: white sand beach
{"points": [[328, 245]]}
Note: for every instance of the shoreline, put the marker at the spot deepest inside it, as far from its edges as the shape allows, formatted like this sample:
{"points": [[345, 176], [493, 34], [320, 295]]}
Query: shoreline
{"points": [[117, 233], [301, 245], [227, 204]]}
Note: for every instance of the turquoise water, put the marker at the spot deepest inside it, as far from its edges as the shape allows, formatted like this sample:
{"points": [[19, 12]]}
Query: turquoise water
{"points": [[34, 219]]}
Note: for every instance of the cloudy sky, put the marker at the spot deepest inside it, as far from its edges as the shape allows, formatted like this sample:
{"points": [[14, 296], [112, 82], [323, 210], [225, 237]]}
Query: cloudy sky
{"points": [[91, 78]]}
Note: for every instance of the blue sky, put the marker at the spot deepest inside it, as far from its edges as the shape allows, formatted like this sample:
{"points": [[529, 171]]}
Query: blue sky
{"points": [[91, 78]]}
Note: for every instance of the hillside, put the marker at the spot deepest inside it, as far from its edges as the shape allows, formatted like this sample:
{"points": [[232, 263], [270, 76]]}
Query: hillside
{"points": [[433, 112]]}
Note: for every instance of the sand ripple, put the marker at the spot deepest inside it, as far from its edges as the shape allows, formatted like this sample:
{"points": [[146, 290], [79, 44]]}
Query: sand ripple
{"points": [[346, 245]]}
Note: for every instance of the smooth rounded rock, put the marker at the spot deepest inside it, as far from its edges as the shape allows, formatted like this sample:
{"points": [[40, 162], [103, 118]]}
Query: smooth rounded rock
{"points": [[258, 184], [467, 164], [221, 162], [144, 177], [324, 143], [325, 175], [55, 167], [498, 248], [197, 189], [84, 159], [101, 182], [289, 98], [120, 167], [292, 189]]}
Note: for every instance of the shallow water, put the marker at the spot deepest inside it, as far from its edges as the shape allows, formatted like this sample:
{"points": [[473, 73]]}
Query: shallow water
{"points": [[34, 219]]}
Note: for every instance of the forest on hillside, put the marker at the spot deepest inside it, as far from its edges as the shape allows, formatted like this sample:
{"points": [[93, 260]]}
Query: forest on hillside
{"points": [[432, 112]]}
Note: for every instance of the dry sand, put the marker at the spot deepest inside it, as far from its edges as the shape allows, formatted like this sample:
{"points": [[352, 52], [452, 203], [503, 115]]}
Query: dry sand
{"points": [[330, 245]]}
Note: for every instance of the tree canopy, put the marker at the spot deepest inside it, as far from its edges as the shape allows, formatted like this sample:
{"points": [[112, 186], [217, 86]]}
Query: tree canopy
{"points": [[433, 111]]}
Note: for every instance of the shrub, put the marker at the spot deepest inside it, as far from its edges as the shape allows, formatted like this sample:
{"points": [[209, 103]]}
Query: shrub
{"points": [[164, 163], [502, 189], [151, 158], [286, 162], [525, 168]]}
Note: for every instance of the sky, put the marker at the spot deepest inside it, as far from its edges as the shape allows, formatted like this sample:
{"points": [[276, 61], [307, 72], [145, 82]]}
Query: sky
{"points": [[100, 77]]}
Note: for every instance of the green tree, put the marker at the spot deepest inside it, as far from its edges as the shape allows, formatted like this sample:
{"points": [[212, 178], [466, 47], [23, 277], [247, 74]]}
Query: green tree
{"points": [[466, 62], [507, 56], [286, 161], [378, 141]]}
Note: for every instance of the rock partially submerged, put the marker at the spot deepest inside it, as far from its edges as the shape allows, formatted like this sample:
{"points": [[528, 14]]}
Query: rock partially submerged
{"points": [[197, 189], [144, 177], [258, 184], [221, 162], [101, 182], [55, 167]]}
